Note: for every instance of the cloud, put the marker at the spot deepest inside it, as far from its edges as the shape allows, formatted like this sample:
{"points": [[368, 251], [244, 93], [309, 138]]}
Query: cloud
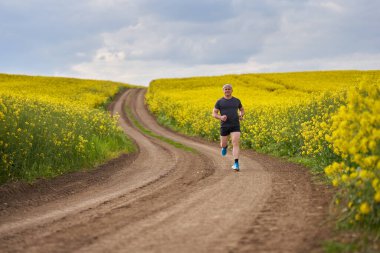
{"points": [[322, 30], [330, 5], [107, 56], [138, 40], [190, 43], [196, 11]]}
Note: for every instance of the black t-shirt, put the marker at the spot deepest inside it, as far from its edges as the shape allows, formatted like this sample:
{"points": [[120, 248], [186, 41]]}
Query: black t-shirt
{"points": [[229, 107]]}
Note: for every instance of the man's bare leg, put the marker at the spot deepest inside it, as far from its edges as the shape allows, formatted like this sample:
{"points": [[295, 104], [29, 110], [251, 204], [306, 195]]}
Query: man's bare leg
{"points": [[223, 144], [235, 136], [223, 141]]}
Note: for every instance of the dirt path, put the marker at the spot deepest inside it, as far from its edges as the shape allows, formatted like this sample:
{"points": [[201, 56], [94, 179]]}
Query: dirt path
{"points": [[165, 199]]}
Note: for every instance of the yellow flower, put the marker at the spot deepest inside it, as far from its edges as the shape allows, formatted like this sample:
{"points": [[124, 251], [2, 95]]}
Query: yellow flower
{"points": [[372, 145], [364, 174], [365, 208], [377, 196], [375, 183], [335, 182], [329, 170], [353, 175], [344, 178]]}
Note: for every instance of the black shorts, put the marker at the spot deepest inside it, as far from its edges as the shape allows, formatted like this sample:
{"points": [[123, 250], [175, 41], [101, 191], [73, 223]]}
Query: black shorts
{"points": [[224, 131]]}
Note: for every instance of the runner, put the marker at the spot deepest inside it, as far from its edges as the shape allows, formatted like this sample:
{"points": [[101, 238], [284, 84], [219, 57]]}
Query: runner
{"points": [[228, 107]]}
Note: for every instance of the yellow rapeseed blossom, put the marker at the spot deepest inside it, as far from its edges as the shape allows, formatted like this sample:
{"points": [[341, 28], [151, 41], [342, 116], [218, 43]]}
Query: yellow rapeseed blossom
{"points": [[354, 135], [335, 182], [365, 208], [376, 184], [377, 197]]}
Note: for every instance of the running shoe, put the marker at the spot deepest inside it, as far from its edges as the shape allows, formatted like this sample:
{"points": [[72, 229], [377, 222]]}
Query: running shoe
{"points": [[224, 151], [236, 167]]}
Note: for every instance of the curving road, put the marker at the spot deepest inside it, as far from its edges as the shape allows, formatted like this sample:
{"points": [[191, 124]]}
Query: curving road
{"points": [[165, 199]]}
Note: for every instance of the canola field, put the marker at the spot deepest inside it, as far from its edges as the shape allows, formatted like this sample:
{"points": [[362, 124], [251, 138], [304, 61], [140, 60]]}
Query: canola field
{"points": [[330, 120], [50, 125]]}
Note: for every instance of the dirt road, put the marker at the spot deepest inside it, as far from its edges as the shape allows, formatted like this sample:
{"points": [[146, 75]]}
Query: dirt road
{"points": [[166, 199]]}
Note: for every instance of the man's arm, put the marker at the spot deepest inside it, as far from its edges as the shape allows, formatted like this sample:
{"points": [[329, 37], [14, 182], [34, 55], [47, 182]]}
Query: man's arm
{"points": [[215, 114], [241, 109]]}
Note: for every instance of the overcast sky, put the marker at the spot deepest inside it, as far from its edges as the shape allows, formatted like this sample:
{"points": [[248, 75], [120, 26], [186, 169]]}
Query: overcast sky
{"points": [[135, 41]]}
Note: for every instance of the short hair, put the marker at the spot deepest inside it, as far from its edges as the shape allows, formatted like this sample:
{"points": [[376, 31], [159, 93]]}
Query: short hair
{"points": [[227, 85]]}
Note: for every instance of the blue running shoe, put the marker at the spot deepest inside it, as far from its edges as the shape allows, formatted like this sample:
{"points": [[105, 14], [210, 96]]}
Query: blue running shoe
{"points": [[224, 151], [235, 167]]}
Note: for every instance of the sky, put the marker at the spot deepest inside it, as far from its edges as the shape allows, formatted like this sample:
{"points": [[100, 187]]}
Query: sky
{"points": [[136, 41]]}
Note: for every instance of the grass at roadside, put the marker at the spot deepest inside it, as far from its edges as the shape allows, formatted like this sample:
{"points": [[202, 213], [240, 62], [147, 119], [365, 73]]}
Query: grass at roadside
{"points": [[337, 247], [152, 134], [353, 241]]}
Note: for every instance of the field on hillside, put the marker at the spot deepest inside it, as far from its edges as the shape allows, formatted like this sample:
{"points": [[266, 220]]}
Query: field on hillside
{"points": [[50, 125], [329, 120]]}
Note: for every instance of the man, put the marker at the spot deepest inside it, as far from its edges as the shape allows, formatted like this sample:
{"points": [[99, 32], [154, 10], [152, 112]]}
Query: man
{"points": [[228, 107]]}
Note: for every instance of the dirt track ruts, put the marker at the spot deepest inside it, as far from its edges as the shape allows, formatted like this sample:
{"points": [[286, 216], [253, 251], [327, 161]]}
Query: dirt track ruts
{"points": [[165, 199]]}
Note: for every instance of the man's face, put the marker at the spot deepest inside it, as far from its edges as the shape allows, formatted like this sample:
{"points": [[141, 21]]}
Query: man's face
{"points": [[227, 91]]}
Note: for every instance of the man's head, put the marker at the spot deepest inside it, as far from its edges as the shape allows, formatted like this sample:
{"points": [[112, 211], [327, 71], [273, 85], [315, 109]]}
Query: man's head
{"points": [[227, 89], [227, 86]]}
